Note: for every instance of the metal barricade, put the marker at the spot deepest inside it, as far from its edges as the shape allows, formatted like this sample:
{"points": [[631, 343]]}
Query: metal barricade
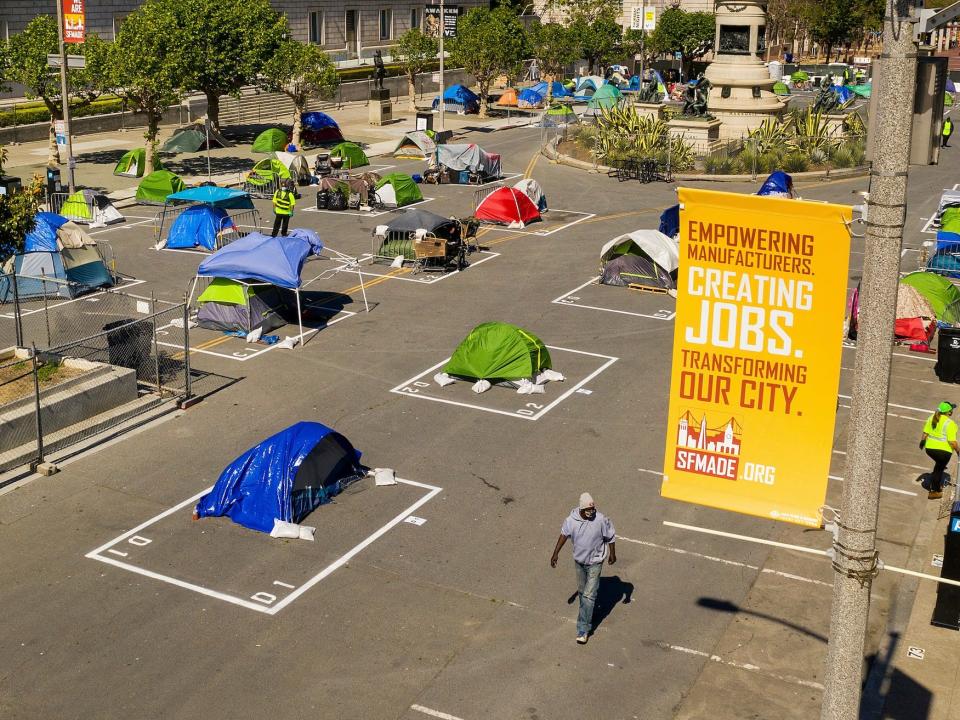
{"points": [[260, 187], [55, 201], [481, 194], [233, 227], [394, 243]]}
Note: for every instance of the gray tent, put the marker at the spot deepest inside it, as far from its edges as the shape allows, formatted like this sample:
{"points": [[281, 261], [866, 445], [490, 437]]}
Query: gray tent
{"points": [[469, 157], [415, 219], [636, 271], [231, 306]]}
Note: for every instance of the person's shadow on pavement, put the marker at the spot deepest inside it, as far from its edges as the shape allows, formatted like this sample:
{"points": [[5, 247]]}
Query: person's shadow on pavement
{"points": [[612, 592]]}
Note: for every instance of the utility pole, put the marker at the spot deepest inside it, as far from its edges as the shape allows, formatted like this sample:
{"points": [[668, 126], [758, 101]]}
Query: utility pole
{"points": [[65, 97], [443, 85], [855, 556]]}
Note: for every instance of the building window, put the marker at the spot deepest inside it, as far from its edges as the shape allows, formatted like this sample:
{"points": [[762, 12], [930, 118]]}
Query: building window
{"points": [[316, 27], [386, 24], [414, 18]]}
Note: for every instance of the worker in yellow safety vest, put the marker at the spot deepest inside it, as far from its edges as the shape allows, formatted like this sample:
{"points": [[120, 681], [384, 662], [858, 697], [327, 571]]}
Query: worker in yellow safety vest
{"points": [[939, 439], [947, 132], [283, 202]]}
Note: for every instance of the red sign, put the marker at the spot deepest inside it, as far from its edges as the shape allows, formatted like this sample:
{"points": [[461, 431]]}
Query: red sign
{"points": [[74, 21]]}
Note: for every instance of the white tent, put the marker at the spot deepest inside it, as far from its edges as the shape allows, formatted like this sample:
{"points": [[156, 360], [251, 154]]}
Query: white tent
{"points": [[531, 188], [663, 250], [299, 165]]}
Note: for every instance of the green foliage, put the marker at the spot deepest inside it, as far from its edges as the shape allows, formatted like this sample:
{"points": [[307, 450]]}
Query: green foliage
{"points": [[842, 157], [34, 113], [300, 71], [599, 41], [620, 133], [489, 43], [16, 216], [854, 125], [810, 131], [819, 156], [689, 33], [795, 162], [858, 152], [415, 51], [837, 22], [554, 46], [721, 164], [770, 135]]}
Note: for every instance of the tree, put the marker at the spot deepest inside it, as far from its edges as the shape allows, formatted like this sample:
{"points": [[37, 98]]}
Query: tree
{"points": [[300, 71], [26, 64], [834, 23], [143, 65], [554, 46], [488, 43], [414, 50], [600, 41], [17, 212], [224, 44], [688, 33], [585, 10]]}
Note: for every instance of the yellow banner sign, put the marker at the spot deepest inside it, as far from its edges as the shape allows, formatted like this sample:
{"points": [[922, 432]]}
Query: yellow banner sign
{"points": [[756, 353]]}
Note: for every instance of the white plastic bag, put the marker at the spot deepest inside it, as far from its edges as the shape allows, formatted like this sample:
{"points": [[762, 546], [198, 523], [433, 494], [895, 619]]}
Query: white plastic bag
{"points": [[442, 379], [254, 335], [384, 476], [480, 386], [289, 343], [546, 376]]}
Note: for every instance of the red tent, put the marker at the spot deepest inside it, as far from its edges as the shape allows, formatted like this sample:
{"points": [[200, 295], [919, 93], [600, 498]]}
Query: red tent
{"points": [[507, 206]]}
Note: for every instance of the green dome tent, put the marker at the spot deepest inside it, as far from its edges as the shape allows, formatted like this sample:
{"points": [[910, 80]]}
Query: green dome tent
{"points": [[265, 175], [605, 97], [398, 189], [799, 76], [270, 140], [352, 154], [133, 162], [155, 187], [780, 88], [497, 351], [558, 115], [943, 295]]}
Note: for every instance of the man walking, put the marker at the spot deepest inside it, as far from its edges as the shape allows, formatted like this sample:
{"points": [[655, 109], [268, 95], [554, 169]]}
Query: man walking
{"points": [[283, 202], [939, 439], [947, 132], [594, 540]]}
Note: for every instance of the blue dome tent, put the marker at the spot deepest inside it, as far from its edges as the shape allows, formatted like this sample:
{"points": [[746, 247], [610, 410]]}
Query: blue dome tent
{"points": [[529, 98], [319, 128], [199, 226], [285, 477], [558, 89], [458, 98], [670, 221]]}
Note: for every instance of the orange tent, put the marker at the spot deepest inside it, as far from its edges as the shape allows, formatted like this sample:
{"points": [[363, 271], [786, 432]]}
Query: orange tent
{"points": [[509, 98]]}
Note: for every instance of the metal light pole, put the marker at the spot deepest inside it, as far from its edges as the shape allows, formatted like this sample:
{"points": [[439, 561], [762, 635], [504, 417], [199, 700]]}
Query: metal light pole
{"points": [[443, 85], [65, 97], [855, 559]]}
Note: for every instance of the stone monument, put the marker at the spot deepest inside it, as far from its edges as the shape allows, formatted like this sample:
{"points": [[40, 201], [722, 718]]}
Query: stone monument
{"points": [[742, 94], [381, 109]]}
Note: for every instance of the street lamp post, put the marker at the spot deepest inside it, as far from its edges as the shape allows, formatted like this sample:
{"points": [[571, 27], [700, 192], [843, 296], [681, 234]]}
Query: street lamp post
{"points": [[443, 85], [65, 98]]}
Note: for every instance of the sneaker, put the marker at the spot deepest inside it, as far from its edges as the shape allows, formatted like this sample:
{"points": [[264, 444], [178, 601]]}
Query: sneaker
{"points": [[582, 639], [934, 495]]}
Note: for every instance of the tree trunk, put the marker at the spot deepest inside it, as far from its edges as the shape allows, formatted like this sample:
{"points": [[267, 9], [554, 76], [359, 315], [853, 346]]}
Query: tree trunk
{"points": [[53, 155], [412, 91], [153, 128], [299, 108], [213, 108], [549, 98], [483, 85]]}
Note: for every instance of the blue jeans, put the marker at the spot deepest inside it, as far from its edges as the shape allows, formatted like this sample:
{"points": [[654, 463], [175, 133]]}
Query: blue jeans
{"points": [[588, 581]]}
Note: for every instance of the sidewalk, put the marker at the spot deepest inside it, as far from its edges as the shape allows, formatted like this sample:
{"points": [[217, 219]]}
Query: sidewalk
{"points": [[97, 154]]}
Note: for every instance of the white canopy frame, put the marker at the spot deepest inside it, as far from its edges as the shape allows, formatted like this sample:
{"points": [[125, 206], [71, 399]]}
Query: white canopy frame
{"points": [[347, 263]]}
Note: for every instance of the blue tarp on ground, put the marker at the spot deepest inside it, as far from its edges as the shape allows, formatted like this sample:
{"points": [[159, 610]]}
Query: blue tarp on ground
{"points": [[777, 184], [529, 98], [226, 198], [460, 95], [258, 487], [670, 221], [276, 260], [43, 237], [198, 226], [558, 89]]}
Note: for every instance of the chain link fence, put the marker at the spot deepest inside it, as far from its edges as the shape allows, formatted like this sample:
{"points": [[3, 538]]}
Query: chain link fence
{"points": [[74, 368]]}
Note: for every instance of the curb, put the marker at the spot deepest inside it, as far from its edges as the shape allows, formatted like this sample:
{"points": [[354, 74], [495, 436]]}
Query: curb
{"points": [[550, 152]]}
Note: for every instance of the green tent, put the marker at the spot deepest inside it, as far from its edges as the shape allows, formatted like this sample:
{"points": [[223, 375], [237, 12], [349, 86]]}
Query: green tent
{"points": [[559, 114], [133, 162], [352, 154], [862, 90], [227, 292], [780, 88], [267, 171], [155, 187], [498, 351], [398, 189], [950, 220], [270, 141], [605, 97], [943, 295], [799, 76]]}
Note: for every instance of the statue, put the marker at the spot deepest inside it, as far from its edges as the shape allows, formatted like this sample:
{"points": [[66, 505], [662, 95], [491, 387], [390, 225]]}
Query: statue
{"points": [[380, 72], [695, 98], [650, 92], [827, 99]]}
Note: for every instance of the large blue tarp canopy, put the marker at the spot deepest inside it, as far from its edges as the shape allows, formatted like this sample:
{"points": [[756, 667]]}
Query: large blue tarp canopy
{"points": [[558, 89], [317, 120], [275, 260], [777, 184], [43, 237], [264, 484], [199, 226], [227, 198], [529, 96], [670, 221], [460, 95]]}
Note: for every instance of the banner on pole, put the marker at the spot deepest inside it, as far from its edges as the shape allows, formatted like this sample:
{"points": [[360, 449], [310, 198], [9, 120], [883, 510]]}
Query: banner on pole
{"points": [[74, 21], [762, 287], [432, 22]]}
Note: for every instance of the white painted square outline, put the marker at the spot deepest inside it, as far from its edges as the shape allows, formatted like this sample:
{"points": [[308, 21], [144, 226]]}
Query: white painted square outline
{"points": [[252, 605], [543, 233], [425, 278], [82, 298], [341, 316], [609, 358], [596, 281]]}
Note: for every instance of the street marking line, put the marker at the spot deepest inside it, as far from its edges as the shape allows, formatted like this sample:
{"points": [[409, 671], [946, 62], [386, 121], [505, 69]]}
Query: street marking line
{"points": [[434, 713], [562, 300], [258, 607], [890, 462], [893, 415], [724, 561], [740, 666], [895, 405], [514, 234], [746, 538]]}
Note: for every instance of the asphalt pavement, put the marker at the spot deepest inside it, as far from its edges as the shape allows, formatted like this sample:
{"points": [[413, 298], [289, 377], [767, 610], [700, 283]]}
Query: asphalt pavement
{"points": [[459, 616]]}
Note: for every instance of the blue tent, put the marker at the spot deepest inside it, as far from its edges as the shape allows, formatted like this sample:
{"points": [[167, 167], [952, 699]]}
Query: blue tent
{"points": [[317, 120], [670, 221], [221, 197], [529, 98], [558, 89], [284, 477], [634, 85], [43, 237], [274, 260], [777, 184], [319, 127], [459, 98], [199, 226], [843, 93]]}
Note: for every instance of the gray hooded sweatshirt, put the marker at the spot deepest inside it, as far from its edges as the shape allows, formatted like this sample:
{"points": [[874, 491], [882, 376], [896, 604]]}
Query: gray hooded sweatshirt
{"points": [[590, 537]]}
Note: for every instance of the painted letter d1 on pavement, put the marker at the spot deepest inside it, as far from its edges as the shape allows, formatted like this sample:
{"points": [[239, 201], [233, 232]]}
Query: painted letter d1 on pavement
{"points": [[762, 288]]}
